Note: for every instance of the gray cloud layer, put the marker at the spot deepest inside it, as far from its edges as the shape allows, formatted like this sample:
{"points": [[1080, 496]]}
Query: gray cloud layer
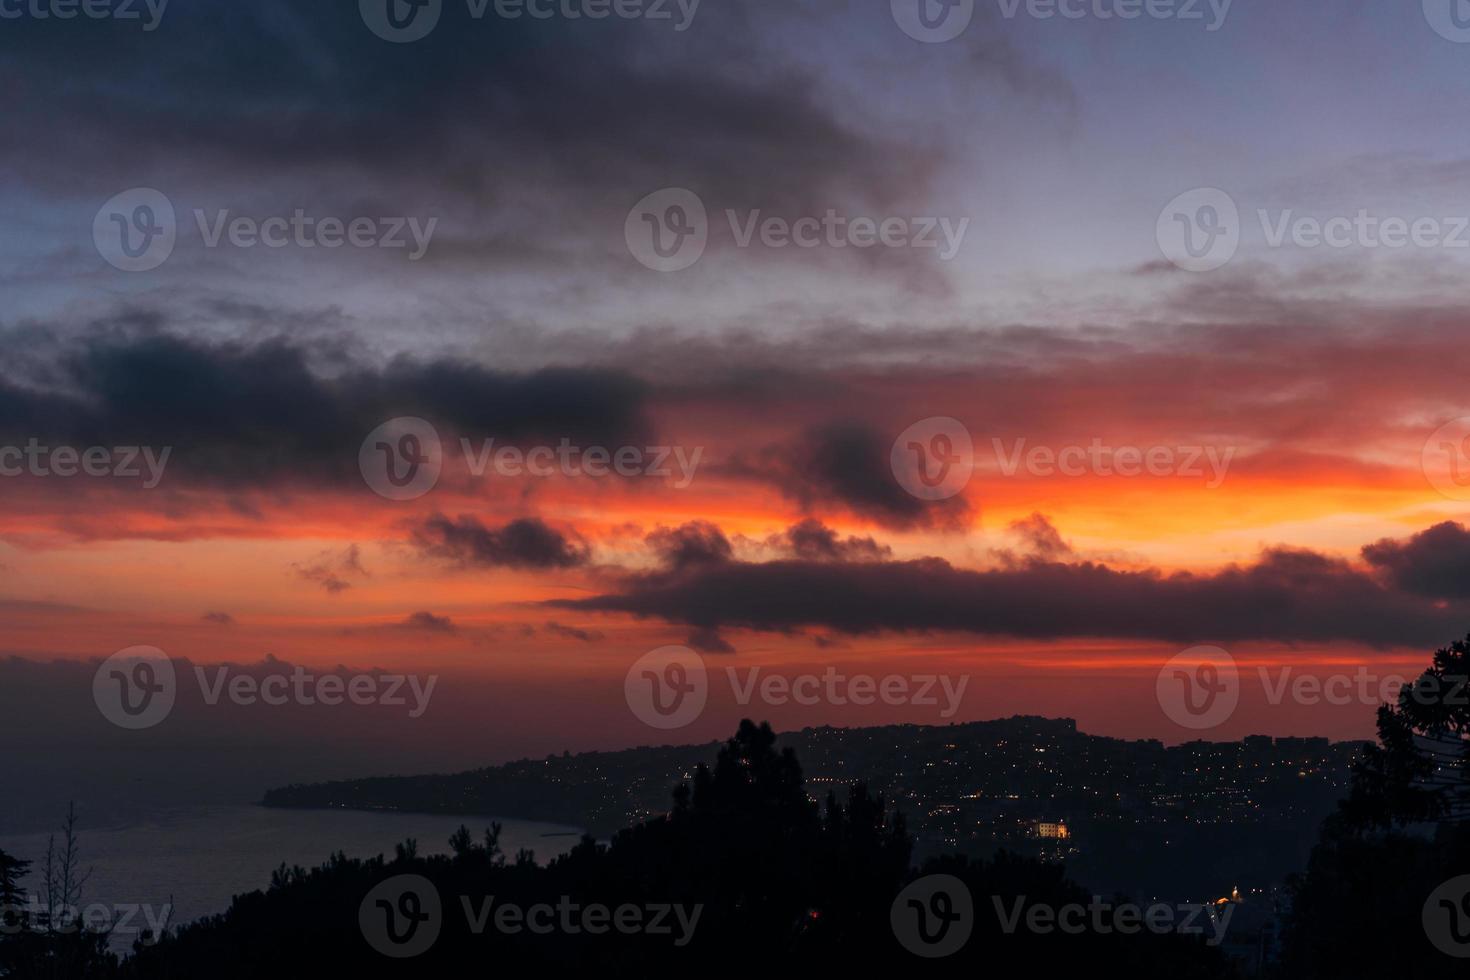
{"points": [[1286, 595]]}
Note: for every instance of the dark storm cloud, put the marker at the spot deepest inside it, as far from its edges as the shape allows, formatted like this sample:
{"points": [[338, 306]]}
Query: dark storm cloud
{"points": [[491, 109], [572, 632], [524, 543], [424, 621], [1041, 537], [811, 540], [249, 414], [1286, 595], [1434, 563], [699, 543], [694, 543], [707, 640], [846, 465], [331, 569]]}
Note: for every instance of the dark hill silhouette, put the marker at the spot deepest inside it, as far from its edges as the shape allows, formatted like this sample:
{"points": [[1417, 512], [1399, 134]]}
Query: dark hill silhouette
{"points": [[764, 878], [1182, 822]]}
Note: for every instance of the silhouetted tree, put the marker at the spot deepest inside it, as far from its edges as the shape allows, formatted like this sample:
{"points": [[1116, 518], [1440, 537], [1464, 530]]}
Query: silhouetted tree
{"points": [[1418, 770], [13, 915], [1358, 908], [53, 943], [12, 870]]}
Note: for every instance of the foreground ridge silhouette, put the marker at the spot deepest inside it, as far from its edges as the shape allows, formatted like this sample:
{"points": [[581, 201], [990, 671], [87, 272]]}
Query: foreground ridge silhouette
{"points": [[767, 878]]}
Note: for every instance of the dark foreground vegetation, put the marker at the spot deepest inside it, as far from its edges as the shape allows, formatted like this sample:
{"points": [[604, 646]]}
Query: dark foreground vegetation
{"points": [[779, 882]]}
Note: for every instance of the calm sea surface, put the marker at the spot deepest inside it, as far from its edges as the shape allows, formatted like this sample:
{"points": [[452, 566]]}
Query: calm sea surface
{"points": [[195, 859]]}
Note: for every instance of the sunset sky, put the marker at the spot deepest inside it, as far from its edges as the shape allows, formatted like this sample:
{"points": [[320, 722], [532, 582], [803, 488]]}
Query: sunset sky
{"points": [[1329, 534]]}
